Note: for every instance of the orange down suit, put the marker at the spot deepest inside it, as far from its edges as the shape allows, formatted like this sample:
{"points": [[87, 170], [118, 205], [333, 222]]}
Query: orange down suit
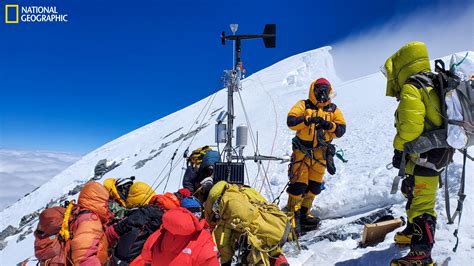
{"points": [[89, 243]]}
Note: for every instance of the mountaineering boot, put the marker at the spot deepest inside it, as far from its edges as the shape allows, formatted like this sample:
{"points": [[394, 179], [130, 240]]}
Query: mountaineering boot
{"points": [[294, 203], [307, 220], [293, 206], [421, 243], [414, 258], [404, 237]]}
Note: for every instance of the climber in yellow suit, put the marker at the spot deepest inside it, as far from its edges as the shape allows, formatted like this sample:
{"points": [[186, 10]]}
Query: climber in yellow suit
{"points": [[418, 112], [317, 121]]}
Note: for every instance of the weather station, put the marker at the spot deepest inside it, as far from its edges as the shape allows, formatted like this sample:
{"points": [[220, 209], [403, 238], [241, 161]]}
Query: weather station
{"points": [[232, 167]]}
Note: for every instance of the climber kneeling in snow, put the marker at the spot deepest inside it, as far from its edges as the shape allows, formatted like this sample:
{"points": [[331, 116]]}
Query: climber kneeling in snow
{"points": [[317, 121], [184, 239], [198, 177], [247, 225], [142, 218], [140, 221], [417, 113]]}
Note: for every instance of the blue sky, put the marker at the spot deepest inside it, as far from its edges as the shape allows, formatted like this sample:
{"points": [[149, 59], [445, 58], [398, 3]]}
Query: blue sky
{"points": [[118, 65]]}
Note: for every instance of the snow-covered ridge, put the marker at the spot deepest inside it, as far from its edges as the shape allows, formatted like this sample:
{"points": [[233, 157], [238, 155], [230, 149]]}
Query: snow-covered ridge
{"points": [[308, 65], [359, 186]]}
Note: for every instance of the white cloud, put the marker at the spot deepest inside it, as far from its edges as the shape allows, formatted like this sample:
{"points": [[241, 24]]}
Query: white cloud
{"points": [[445, 30], [23, 171]]}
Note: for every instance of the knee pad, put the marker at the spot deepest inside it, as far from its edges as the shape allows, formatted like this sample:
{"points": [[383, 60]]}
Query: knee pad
{"points": [[296, 188], [315, 187]]}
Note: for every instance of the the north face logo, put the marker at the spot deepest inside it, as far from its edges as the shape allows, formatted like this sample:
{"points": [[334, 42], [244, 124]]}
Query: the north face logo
{"points": [[187, 251]]}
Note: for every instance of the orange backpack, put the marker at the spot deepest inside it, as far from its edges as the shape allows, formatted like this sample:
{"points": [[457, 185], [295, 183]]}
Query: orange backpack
{"points": [[52, 236]]}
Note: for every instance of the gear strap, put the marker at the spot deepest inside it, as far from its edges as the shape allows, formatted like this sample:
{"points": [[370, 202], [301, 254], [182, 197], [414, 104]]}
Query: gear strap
{"points": [[308, 152], [421, 81]]}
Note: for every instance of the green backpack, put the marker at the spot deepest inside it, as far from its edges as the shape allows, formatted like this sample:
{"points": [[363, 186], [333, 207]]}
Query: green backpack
{"points": [[246, 222]]}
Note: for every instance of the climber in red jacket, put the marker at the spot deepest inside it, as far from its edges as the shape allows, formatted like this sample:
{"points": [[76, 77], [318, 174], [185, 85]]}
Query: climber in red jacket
{"points": [[184, 239]]}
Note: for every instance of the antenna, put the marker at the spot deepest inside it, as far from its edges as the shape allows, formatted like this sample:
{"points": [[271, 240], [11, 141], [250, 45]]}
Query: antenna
{"points": [[233, 28], [268, 36]]}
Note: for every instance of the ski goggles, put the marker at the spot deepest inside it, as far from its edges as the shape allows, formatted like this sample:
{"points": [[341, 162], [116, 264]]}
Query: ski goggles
{"points": [[321, 92], [123, 186]]}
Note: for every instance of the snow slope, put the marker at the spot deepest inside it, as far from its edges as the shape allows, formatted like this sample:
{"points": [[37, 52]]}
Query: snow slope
{"points": [[359, 187]]}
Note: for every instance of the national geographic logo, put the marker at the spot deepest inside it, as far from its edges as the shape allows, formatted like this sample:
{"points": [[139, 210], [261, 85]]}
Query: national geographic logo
{"points": [[11, 14], [15, 14]]}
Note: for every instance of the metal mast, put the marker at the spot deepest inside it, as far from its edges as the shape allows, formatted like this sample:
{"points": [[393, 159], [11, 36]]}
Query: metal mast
{"points": [[232, 85], [232, 77]]}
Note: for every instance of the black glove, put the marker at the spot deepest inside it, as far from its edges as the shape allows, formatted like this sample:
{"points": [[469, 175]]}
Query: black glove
{"points": [[397, 158], [313, 120], [326, 125], [122, 227], [127, 224]]}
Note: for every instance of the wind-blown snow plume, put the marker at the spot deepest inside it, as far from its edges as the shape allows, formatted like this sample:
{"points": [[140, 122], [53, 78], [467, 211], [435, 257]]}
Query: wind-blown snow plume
{"points": [[444, 31]]}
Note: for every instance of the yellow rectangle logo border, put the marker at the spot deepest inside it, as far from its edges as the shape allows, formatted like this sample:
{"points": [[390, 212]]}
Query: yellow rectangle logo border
{"points": [[7, 21]]}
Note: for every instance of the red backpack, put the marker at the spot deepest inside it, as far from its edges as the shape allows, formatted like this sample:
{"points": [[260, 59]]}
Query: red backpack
{"points": [[52, 236]]}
